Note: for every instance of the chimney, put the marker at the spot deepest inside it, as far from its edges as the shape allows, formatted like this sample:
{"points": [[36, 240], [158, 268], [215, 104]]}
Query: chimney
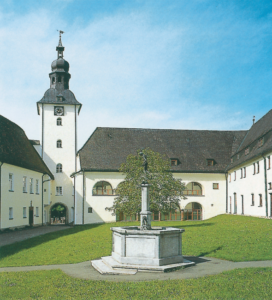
{"points": [[253, 120]]}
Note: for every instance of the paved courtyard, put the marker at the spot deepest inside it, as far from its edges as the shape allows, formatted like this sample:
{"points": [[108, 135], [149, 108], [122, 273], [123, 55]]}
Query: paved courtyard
{"points": [[204, 265], [23, 234]]}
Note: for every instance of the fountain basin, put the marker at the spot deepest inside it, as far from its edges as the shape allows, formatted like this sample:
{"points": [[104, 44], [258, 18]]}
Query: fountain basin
{"points": [[158, 246]]}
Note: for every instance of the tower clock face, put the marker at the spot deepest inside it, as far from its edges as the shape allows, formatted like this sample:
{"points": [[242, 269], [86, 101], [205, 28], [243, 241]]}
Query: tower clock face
{"points": [[59, 111]]}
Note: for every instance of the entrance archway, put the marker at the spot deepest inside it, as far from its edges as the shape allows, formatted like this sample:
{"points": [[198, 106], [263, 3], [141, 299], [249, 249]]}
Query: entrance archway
{"points": [[58, 214], [192, 211]]}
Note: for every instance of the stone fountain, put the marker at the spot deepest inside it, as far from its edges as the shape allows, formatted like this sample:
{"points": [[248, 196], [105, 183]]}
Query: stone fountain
{"points": [[143, 248]]}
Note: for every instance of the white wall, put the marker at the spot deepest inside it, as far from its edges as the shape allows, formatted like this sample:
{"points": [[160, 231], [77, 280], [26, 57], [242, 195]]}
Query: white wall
{"points": [[251, 184], [213, 201], [65, 155], [17, 199]]}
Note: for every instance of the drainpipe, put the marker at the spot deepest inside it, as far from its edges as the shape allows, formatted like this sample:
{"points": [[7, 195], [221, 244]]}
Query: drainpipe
{"points": [[42, 195], [1, 164], [265, 186], [83, 198], [227, 192]]}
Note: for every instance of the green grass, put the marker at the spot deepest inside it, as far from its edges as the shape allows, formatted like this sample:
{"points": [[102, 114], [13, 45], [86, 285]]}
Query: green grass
{"points": [[251, 283], [229, 237]]}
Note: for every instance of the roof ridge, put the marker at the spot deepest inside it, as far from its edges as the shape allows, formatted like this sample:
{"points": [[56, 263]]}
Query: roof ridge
{"points": [[168, 129]]}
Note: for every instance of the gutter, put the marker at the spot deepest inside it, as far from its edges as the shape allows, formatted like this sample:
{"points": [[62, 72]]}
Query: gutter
{"points": [[0, 193], [265, 186], [227, 191], [83, 198], [42, 193]]}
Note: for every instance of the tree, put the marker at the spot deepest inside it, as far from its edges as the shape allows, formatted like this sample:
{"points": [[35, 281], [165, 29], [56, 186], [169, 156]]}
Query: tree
{"points": [[165, 191]]}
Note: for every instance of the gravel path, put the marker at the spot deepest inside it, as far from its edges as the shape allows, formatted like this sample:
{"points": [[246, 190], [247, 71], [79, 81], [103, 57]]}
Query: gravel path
{"points": [[204, 266], [24, 234]]}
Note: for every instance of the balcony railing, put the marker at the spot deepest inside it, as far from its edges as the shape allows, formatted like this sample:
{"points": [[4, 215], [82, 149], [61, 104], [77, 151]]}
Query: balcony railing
{"points": [[192, 192]]}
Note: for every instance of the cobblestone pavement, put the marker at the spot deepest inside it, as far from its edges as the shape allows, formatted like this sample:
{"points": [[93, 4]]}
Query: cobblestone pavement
{"points": [[204, 266], [23, 234]]}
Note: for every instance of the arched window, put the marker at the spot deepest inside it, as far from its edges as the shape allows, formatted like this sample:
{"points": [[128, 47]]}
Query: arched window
{"points": [[59, 168], [59, 144], [59, 79], [102, 188], [59, 121], [193, 189]]}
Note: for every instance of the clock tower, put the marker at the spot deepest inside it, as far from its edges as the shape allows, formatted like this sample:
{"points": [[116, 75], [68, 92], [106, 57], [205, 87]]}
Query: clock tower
{"points": [[59, 109]]}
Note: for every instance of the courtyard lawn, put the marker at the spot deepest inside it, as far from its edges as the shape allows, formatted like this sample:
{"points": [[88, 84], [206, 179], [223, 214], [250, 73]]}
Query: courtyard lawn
{"points": [[236, 238], [251, 283]]}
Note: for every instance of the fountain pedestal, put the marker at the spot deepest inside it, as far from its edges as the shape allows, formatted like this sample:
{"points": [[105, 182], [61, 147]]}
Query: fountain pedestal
{"points": [[156, 247], [143, 248]]}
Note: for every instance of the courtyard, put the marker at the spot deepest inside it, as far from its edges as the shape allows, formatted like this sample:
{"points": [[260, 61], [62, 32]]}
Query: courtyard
{"points": [[232, 253]]}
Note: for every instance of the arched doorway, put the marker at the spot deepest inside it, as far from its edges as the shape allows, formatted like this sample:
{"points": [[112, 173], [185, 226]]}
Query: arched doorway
{"points": [[58, 214], [192, 211]]}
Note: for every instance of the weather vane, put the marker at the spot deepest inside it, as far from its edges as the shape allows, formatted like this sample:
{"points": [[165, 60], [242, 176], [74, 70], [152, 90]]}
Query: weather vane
{"points": [[60, 32]]}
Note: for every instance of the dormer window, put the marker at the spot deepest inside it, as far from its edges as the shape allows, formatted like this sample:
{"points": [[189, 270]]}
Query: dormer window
{"points": [[210, 162], [174, 161], [247, 151], [260, 142], [60, 98]]}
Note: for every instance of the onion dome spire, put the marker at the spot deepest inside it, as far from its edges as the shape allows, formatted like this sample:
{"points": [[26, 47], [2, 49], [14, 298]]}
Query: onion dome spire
{"points": [[59, 77], [60, 48]]}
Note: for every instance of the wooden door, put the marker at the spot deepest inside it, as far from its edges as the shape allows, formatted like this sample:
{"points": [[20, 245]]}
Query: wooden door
{"points": [[30, 215]]}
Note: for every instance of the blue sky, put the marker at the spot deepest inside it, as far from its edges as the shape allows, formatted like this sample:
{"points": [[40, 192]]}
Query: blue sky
{"points": [[182, 64]]}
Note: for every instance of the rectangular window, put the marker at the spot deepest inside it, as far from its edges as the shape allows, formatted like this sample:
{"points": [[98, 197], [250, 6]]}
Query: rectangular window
{"points": [[24, 185], [254, 168], [269, 185], [216, 186], [241, 173], [242, 203], [252, 199], [234, 175], [261, 200], [73, 191], [59, 191], [37, 186], [11, 183], [268, 162], [244, 172], [11, 213], [258, 167], [90, 210], [31, 186], [24, 212], [37, 211]]}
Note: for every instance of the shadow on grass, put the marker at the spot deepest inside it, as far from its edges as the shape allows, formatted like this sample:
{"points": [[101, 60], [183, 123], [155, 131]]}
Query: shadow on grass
{"points": [[210, 252], [196, 259], [14, 248]]}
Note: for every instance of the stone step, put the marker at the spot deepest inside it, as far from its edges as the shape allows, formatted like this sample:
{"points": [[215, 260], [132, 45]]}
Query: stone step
{"points": [[105, 269], [115, 265]]}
